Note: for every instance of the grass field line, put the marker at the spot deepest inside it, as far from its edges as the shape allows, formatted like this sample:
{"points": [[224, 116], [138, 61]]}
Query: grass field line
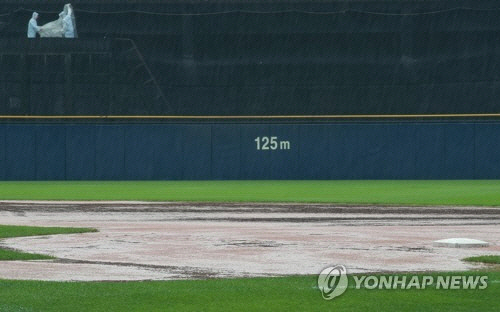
{"points": [[258, 203], [370, 192], [12, 231], [64, 201], [254, 294]]}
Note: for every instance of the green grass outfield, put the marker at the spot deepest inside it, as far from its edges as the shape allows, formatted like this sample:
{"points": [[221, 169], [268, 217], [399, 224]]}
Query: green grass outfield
{"points": [[7, 231], [456, 192], [10, 255], [294, 293], [490, 259]]}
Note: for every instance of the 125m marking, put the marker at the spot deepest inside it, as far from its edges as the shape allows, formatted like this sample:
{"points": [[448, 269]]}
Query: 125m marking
{"points": [[271, 143]]}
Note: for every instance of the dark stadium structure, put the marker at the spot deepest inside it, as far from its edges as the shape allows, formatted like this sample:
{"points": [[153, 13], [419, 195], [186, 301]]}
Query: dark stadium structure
{"points": [[253, 58], [235, 89]]}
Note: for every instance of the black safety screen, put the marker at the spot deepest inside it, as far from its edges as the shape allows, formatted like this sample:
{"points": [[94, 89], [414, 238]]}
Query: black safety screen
{"points": [[253, 58]]}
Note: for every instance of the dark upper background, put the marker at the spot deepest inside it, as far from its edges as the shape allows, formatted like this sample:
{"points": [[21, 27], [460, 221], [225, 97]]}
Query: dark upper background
{"points": [[256, 58]]}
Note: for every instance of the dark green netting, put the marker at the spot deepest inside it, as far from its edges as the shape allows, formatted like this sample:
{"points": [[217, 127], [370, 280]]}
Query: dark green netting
{"points": [[254, 58]]}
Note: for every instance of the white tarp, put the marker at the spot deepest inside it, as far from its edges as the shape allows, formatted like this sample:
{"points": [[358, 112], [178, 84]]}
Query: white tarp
{"points": [[63, 27]]}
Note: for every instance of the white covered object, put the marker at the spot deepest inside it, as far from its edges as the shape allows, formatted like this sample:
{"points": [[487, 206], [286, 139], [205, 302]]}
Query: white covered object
{"points": [[460, 243], [64, 26]]}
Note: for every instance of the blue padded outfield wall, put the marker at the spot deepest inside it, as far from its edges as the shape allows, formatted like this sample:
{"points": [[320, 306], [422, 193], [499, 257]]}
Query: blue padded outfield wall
{"points": [[333, 150]]}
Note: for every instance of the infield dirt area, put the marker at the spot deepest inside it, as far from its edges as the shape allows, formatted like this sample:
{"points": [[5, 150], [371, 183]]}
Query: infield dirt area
{"points": [[159, 241]]}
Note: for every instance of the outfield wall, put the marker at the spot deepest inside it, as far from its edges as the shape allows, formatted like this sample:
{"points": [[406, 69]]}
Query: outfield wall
{"points": [[334, 150]]}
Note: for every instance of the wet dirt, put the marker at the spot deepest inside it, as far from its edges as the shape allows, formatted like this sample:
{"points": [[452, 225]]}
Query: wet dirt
{"points": [[171, 240]]}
